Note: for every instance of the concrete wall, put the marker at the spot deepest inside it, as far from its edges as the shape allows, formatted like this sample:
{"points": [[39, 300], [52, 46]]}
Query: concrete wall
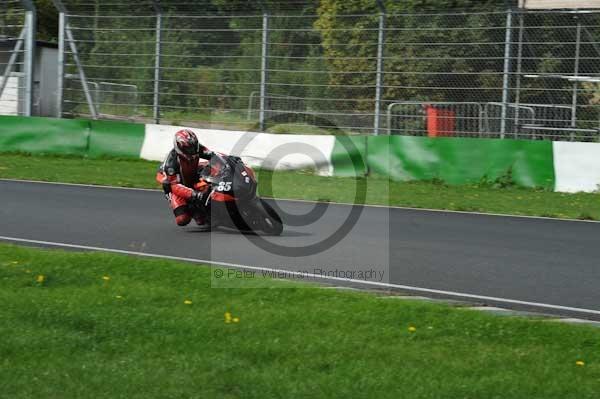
{"points": [[9, 102], [11, 99]]}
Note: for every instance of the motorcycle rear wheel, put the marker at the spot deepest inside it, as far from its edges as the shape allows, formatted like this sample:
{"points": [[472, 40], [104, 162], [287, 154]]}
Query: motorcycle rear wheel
{"points": [[271, 223]]}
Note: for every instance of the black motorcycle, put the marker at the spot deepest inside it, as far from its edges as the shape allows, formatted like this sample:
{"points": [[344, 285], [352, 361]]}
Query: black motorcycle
{"points": [[233, 201]]}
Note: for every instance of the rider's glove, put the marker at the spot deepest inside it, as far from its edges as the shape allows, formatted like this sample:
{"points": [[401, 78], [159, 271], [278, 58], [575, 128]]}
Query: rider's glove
{"points": [[201, 186], [197, 196]]}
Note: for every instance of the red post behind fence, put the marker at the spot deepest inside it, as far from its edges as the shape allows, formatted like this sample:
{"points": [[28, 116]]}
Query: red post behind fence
{"points": [[440, 122]]}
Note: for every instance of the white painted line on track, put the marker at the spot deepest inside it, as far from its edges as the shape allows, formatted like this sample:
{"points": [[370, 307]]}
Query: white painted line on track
{"points": [[309, 275], [315, 202]]}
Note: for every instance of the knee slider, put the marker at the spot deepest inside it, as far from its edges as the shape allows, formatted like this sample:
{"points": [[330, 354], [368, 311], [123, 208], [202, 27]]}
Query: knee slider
{"points": [[183, 220], [182, 216]]}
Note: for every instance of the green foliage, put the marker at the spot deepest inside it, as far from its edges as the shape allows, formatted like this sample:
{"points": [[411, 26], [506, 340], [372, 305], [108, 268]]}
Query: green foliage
{"points": [[47, 21], [417, 67], [506, 180], [325, 53], [12, 18]]}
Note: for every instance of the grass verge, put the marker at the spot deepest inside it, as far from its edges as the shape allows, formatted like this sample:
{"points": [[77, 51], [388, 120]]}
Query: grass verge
{"points": [[485, 197], [111, 326]]}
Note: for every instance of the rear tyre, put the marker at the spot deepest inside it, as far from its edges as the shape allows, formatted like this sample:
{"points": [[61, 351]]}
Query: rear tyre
{"points": [[271, 223]]}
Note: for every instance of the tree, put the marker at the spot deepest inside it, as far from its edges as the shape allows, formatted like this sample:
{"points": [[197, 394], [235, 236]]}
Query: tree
{"points": [[428, 56]]}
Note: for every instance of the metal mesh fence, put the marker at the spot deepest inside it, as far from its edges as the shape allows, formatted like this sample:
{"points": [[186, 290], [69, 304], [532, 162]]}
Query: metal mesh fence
{"points": [[302, 67], [12, 62]]}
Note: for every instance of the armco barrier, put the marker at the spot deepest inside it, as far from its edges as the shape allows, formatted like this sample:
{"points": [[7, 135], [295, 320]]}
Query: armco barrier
{"points": [[264, 150], [568, 167], [43, 135], [70, 136], [349, 156], [462, 160], [119, 139], [577, 166]]}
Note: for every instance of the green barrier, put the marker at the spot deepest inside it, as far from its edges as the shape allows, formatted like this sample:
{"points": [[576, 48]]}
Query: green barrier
{"points": [[43, 135], [70, 136], [118, 139], [452, 160], [462, 160], [349, 156]]}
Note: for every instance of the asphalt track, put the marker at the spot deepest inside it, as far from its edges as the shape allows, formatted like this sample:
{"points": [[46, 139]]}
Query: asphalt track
{"points": [[523, 263]]}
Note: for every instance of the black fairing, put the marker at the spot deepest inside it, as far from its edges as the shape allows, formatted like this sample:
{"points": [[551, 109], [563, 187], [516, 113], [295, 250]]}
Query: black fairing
{"points": [[247, 212], [243, 185]]}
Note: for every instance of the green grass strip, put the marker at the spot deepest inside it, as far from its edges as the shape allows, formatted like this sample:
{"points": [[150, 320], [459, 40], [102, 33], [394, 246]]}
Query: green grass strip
{"points": [[111, 326], [496, 196]]}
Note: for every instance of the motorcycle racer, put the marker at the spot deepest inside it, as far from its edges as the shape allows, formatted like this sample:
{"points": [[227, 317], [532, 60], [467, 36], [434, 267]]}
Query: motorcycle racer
{"points": [[181, 181]]}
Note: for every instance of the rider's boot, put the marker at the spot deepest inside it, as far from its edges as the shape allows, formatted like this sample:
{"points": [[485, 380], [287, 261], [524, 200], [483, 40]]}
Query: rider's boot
{"points": [[203, 222]]}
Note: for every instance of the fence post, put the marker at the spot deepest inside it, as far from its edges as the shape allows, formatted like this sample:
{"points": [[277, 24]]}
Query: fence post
{"points": [[519, 71], [61, 64], [575, 83], [157, 54], [263, 71], [29, 55], [506, 78], [69, 38], [379, 78]]}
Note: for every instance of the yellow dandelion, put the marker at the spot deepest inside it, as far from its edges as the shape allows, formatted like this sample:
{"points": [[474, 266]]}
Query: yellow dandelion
{"points": [[412, 329], [119, 297], [187, 302], [580, 363], [40, 279], [228, 317], [236, 319], [105, 278]]}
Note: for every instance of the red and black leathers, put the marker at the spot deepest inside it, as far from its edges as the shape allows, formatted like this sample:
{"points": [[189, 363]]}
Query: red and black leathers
{"points": [[180, 180]]}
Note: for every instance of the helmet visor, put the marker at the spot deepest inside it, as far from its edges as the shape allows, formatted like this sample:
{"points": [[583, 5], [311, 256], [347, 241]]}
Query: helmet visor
{"points": [[189, 155]]}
